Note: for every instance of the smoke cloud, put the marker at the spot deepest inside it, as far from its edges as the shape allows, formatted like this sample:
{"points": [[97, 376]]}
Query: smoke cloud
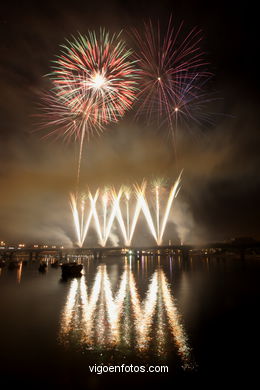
{"points": [[113, 237]]}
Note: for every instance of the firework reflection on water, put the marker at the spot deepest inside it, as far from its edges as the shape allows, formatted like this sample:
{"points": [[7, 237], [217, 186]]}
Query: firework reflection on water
{"points": [[104, 314]]}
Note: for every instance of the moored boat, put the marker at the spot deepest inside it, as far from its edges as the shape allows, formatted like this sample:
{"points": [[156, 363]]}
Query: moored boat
{"points": [[71, 269], [55, 264], [42, 267], [14, 264], [2, 263]]}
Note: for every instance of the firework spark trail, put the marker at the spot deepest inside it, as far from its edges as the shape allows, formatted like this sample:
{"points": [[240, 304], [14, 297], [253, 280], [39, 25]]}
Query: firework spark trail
{"points": [[116, 200], [173, 193], [86, 227], [81, 222], [104, 203], [127, 219], [127, 192], [73, 204], [157, 193], [146, 211], [97, 223], [82, 216], [139, 193], [121, 223]]}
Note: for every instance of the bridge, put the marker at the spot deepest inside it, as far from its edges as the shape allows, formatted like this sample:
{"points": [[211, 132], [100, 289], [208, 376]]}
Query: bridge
{"points": [[237, 247]]}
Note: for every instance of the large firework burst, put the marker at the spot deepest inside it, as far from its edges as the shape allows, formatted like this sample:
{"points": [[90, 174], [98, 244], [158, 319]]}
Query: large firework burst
{"points": [[190, 104], [170, 63], [94, 81], [95, 76]]}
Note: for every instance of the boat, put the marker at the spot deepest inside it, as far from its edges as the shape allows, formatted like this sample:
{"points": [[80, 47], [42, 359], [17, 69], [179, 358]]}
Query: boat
{"points": [[14, 264], [42, 267], [71, 269], [55, 264], [2, 263]]}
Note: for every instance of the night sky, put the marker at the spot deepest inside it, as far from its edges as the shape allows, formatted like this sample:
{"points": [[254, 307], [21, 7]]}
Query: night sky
{"points": [[219, 197]]}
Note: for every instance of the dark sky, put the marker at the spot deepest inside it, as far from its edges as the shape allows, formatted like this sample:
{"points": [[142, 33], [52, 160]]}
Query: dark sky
{"points": [[220, 193]]}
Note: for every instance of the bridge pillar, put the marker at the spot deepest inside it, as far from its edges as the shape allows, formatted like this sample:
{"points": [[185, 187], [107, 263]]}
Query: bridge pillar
{"points": [[242, 254], [185, 254]]}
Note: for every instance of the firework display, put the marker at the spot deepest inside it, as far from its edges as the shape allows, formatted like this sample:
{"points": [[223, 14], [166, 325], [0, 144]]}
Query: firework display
{"points": [[106, 207], [94, 83], [95, 80], [172, 72], [95, 75]]}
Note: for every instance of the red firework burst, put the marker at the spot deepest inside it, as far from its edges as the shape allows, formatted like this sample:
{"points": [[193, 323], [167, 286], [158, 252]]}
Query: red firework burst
{"points": [[163, 60], [95, 76]]}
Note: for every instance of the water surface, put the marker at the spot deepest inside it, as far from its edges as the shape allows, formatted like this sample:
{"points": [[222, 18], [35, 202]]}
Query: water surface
{"points": [[198, 317]]}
